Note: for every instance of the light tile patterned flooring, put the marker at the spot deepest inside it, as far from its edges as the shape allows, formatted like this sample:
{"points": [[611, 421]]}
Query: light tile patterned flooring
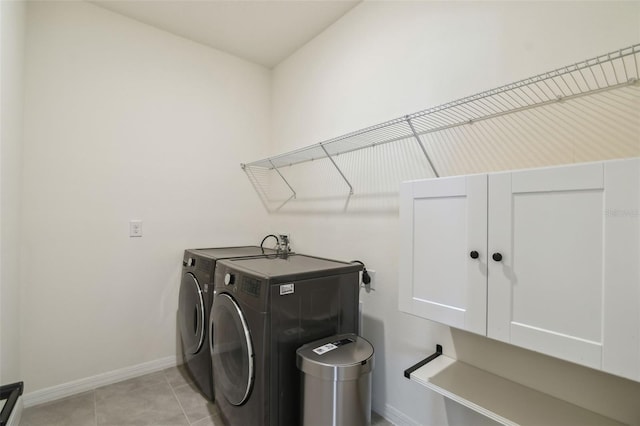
{"points": [[165, 398]]}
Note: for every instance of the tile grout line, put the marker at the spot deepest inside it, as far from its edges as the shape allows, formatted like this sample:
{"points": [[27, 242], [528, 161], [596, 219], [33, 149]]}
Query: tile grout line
{"points": [[176, 397], [95, 406]]}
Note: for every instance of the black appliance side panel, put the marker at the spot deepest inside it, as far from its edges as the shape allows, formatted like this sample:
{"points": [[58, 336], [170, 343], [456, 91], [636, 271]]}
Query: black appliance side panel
{"points": [[317, 308]]}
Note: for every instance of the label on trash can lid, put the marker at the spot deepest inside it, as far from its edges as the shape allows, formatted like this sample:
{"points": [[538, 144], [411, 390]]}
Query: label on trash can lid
{"points": [[331, 346], [324, 348]]}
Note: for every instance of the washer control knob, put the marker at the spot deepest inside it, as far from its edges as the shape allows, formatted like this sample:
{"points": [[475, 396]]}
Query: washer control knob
{"points": [[229, 279]]}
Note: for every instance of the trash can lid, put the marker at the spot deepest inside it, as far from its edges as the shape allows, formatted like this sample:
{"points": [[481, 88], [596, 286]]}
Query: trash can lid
{"points": [[339, 357]]}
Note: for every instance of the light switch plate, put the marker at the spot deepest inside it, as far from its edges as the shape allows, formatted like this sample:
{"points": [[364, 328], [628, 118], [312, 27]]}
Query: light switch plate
{"points": [[135, 228]]}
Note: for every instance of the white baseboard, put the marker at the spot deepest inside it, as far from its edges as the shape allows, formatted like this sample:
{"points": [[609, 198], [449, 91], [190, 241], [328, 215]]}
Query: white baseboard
{"points": [[396, 416], [89, 383], [16, 413]]}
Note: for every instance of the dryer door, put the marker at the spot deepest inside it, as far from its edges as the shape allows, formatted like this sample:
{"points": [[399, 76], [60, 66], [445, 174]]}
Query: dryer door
{"points": [[191, 314], [232, 351]]}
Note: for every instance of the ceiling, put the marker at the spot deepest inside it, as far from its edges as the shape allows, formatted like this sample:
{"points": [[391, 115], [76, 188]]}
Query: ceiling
{"points": [[263, 31]]}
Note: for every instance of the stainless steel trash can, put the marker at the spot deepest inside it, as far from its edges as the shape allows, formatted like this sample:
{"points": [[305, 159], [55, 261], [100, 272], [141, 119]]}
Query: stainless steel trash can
{"points": [[336, 381]]}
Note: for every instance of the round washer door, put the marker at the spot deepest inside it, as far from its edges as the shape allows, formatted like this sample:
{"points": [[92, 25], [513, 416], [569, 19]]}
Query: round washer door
{"points": [[232, 350], [191, 314]]}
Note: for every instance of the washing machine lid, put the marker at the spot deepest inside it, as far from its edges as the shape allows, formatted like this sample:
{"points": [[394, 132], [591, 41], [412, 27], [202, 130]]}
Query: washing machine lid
{"points": [[191, 314], [232, 353], [294, 267]]}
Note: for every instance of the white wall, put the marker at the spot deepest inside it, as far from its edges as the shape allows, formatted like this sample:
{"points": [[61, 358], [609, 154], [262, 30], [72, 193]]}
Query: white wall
{"points": [[12, 25], [124, 121], [387, 59]]}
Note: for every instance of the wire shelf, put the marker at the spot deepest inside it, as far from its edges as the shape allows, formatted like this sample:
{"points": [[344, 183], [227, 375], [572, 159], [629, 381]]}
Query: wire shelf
{"points": [[606, 72]]}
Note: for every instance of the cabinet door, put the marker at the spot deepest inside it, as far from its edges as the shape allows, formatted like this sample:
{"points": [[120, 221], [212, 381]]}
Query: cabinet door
{"points": [[556, 287], [442, 221]]}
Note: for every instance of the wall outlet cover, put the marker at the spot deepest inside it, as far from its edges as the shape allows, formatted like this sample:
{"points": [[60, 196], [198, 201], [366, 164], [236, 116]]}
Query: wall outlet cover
{"points": [[372, 284]]}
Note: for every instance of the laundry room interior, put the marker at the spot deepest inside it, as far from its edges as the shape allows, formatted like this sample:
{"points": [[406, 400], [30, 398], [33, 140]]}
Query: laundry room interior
{"points": [[127, 140]]}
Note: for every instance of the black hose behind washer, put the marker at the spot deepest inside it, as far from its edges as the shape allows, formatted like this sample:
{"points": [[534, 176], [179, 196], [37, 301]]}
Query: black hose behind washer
{"points": [[265, 238]]}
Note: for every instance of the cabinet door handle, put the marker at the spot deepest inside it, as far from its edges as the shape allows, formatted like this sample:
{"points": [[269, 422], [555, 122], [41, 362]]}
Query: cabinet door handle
{"points": [[497, 257], [474, 254]]}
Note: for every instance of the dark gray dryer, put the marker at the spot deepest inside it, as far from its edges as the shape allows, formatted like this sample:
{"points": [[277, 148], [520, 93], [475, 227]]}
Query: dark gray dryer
{"points": [[263, 310], [194, 307]]}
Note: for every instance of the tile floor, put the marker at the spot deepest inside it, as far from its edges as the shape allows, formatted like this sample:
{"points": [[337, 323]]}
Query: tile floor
{"points": [[165, 398]]}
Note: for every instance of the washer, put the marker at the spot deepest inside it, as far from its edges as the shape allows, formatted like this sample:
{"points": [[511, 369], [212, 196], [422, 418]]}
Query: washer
{"points": [[263, 310], [194, 306]]}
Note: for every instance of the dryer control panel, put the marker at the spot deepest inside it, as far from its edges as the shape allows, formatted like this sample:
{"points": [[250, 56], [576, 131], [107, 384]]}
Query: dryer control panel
{"points": [[251, 286]]}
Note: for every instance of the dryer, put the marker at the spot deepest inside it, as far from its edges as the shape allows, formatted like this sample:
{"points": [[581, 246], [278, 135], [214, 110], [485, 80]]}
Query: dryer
{"points": [[194, 306], [263, 310]]}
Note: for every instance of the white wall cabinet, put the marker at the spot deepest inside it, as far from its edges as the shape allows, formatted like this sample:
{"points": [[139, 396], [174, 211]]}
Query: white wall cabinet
{"points": [[546, 259]]}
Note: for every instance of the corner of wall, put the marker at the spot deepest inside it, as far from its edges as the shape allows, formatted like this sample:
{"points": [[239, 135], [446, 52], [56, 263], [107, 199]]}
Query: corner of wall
{"points": [[13, 27]]}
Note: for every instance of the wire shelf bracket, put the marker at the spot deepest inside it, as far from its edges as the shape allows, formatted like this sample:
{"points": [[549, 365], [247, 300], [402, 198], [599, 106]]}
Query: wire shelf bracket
{"points": [[338, 169], [421, 145], [282, 177]]}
